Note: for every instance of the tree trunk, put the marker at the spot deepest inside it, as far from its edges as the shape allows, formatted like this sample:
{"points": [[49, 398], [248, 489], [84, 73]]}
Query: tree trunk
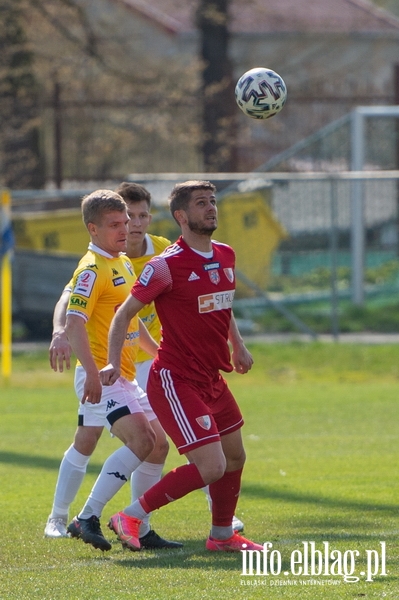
{"points": [[219, 107], [22, 166]]}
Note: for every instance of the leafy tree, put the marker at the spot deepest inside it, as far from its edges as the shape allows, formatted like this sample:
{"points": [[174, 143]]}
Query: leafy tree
{"points": [[118, 110]]}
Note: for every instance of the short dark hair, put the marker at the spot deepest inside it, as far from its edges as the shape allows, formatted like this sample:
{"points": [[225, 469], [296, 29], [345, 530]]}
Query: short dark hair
{"points": [[181, 194], [97, 204], [134, 192]]}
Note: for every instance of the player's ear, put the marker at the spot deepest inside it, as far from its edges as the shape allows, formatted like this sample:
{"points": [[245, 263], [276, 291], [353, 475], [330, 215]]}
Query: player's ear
{"points": [[91, 228], [180, 216]]}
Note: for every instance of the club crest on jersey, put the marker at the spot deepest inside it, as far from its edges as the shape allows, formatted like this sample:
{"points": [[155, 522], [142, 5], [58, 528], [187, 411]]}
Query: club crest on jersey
{"points": [[214, 276], [229, 274], [204, 422], [129, 267]]}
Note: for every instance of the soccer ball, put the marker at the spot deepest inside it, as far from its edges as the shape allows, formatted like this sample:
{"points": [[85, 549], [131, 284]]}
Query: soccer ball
{"points": [[261, 93]]}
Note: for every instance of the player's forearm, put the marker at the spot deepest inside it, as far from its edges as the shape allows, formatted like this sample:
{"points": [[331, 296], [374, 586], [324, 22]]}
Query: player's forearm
{"points": [[147, 342], [116, 337], [235, 338], [241, 357], [59, 315], [77, 335]]}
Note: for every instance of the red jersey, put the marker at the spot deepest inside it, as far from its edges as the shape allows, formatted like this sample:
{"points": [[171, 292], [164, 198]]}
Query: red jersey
{"points": [[193, 298]]}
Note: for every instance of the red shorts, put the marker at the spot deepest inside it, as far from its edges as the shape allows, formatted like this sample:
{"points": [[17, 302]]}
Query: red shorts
{"points": [[192, 413]]}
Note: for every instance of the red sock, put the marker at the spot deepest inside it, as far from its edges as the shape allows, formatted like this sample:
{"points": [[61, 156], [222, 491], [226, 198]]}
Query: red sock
{"points": [[224, 493], [176, 484]]}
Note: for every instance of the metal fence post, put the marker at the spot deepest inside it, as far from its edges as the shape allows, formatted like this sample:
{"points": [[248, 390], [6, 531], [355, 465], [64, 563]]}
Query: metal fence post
{"points": [[334, 257], [357, 217]]}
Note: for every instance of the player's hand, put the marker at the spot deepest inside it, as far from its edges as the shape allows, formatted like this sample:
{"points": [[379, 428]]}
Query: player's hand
{"points": [[60, 352], [92, 390], [109, 374], [242, 360]]}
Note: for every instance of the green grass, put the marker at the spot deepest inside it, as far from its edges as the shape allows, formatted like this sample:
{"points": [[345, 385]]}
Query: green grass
{"points": [[321, 435], [378, 315]]}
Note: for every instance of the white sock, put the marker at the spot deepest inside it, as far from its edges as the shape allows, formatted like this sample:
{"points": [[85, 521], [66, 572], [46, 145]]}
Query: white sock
{"points": [[115, 473], [135, 510], [144, 477], [221, 533], [70, 476]]}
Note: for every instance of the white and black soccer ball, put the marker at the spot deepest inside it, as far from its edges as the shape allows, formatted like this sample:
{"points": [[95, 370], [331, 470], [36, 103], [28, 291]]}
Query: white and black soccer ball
{"points": [[261, 93]]}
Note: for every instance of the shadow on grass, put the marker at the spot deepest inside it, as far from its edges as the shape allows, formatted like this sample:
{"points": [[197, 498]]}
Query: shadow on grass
{"points": [[40, 462], [192, 556], [261, 491]]}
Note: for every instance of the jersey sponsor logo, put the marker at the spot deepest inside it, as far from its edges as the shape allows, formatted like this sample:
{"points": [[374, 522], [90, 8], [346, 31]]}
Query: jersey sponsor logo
{"points": [[229, 272], [118, 281], [129, 267], [74, 301], [193, 276], [204, 422], [84, 283], [214, 276], [146, 274], [132, 335], [218, 301], [211, 266], [148, 319]]}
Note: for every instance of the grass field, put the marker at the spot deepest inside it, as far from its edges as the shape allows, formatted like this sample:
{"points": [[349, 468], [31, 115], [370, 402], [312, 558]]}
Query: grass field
{"points": [[321, 434]]}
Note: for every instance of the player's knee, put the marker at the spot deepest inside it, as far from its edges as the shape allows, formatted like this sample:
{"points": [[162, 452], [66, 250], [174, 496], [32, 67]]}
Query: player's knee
{"points": [[236, 461], [212, 472], [160, 451], [86, 439], [148, 446], [145, 445]]}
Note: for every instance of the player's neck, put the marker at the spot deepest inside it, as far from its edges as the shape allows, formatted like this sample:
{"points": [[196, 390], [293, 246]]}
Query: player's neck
{"points": [[136, 250], [200, 242]]}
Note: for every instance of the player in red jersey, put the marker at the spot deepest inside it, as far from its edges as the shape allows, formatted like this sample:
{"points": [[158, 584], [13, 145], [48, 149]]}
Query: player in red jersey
{"points": [[192, 283]]}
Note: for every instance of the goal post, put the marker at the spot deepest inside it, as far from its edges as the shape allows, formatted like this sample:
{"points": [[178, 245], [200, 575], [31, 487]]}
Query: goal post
{"points": [[358, 153]]}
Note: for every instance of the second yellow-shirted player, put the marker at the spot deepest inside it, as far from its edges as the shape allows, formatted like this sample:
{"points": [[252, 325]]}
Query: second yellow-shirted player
{"points": [[154, 245]]}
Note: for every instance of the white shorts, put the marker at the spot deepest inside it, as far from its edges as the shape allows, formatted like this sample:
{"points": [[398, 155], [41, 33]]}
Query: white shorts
{"points": [[122, 398], [142, 372]]}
